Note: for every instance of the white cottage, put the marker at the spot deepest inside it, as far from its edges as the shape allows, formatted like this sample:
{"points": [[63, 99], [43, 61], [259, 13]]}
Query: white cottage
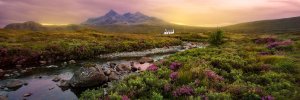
{"points": [[171, 31]]}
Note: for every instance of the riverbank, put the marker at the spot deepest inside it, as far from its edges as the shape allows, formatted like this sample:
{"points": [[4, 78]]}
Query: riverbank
{"points": [[47, 81]]}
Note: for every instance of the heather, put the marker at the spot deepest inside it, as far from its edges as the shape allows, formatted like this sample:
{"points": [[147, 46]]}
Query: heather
{"points": [[238, 68]]}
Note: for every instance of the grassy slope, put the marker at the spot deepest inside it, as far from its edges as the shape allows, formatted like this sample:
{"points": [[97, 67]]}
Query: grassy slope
{"points": [[285, 25], [22, 47], [240, 73]]}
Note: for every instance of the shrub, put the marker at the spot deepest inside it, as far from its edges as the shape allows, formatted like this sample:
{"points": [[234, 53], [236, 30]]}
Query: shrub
{"points": [[152, 68], [213, 76], [183, 91], [156, 96], [174, 75], [175, 66], [216, 38]]}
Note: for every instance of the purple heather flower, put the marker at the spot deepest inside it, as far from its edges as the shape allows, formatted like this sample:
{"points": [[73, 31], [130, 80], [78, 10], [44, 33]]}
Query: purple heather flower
{"points": [[125, 97], [152, 68], [265, 40], [174, 75], [175, 65], [282, 43], [183, 90], [269, 97], [212, 75]]}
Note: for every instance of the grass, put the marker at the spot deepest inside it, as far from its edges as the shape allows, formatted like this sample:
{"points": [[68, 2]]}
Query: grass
{"points": [[234, 70], [29, 47]]}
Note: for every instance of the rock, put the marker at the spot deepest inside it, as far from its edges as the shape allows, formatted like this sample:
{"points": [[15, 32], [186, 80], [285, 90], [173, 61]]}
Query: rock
{"points": [[39, 77], [43, 62], [3, 98], [113, 76], [63, 83], [27, 94], [2, 73], [107, 71], [16, 73], [112, 65], [123, 67], [146, 60], [23, 71], [64, 64], [88, 76], [56, 79], [72, 62], [6, 75], [52, 66], [14, 84]]}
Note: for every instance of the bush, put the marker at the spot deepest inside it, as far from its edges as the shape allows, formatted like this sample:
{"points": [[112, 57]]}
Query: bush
{"points": [[216, 38]]}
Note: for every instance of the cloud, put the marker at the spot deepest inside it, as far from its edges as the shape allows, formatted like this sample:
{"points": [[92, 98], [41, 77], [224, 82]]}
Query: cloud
{"points": [[191, 12]]}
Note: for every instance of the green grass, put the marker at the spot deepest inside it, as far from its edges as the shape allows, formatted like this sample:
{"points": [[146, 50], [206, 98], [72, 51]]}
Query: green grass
{"points": [[33, 46], [234, 70]]}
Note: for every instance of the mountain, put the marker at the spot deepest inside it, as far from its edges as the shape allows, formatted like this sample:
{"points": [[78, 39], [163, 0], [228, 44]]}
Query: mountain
{"points": [[30, 25], [285, 25], [113, 18]]}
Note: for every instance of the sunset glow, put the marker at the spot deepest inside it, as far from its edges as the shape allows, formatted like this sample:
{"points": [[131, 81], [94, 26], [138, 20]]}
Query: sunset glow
{"points": [[187, 12]]}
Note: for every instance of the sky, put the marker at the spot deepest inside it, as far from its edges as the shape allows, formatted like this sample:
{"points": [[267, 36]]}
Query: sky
{"points": [[186, 12]]}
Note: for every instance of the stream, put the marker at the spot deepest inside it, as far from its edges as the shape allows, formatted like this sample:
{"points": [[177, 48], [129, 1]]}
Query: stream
{"points": [[40, 84]]}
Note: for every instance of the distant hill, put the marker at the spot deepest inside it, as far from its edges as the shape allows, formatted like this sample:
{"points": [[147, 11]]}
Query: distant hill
{"points": [[113, 18], [30, 25], [34, 26], [285, 25]]}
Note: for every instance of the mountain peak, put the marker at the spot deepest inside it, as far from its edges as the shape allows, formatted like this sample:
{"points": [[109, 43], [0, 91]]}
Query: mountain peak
{"points": [[111, 13], [139, 13], [113, 18]]}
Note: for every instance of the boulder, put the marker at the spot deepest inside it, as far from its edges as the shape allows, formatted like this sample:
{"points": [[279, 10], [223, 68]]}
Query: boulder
{"points": [[112, 65], [14, 84], [113, 76], [63, 83], [56, 79], [87, 77], [107, 71], [146, 60], [123, 67]]}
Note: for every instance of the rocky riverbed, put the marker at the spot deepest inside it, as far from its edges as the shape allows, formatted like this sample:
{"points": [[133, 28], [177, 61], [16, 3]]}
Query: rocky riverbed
{"points": [[67, 79]]}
